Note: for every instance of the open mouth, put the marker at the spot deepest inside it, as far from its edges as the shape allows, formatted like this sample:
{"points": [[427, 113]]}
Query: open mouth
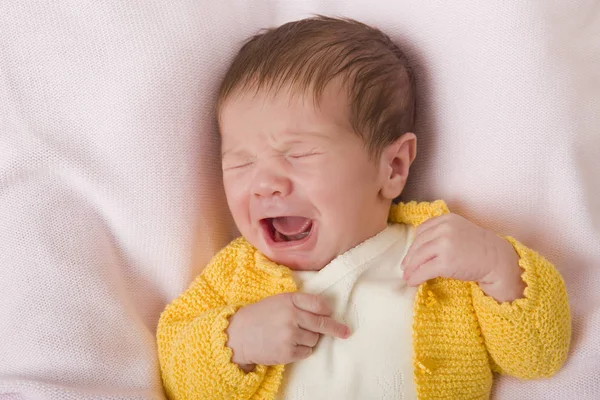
{"points": [[287, 229]]}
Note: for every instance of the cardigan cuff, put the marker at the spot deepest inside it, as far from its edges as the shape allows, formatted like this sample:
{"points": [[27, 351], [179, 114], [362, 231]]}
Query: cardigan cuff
{"points": [[531, 263], [244, 384]]}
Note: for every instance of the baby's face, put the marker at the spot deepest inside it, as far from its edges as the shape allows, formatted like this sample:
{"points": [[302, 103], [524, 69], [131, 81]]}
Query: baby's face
{"points": [[299, 182]]}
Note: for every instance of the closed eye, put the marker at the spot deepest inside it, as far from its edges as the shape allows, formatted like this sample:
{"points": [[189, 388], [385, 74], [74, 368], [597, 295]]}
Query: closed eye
{"points": [[229, 167], [304, 154]]}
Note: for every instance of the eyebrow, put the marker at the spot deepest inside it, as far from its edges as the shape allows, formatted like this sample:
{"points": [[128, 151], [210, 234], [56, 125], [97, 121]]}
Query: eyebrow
{"points": [[290, 137], [294, 134], [235, 152]]}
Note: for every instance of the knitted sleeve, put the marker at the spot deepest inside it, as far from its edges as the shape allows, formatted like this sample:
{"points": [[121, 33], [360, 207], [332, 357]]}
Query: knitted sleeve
{"points": [[194, 359], [528, 338]]}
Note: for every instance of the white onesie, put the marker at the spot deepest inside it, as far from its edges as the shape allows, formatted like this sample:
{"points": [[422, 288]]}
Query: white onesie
{"points": [[366, 290]]}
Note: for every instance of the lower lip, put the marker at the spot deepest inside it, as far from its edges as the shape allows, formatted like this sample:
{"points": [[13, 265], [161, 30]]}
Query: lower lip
{"points": [[294, 243]]}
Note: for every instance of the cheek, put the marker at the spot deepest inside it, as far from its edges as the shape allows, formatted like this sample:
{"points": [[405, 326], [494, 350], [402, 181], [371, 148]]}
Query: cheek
{"points": [[344, 176], [326, 188], [346, 188], [237, 196]]}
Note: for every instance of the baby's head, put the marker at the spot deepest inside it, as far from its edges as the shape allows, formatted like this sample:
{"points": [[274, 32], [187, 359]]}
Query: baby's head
{"points": [[315, 119]]}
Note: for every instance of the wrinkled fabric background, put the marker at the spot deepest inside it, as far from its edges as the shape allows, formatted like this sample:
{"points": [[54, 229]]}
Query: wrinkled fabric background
{"points": [[110, 196]]}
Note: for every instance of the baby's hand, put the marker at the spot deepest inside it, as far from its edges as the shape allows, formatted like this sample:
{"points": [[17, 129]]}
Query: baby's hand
{"points": [[452, 247], [280, 329]]}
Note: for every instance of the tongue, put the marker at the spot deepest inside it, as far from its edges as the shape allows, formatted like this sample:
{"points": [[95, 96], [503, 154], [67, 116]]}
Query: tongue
{"points": [[290, 226]]}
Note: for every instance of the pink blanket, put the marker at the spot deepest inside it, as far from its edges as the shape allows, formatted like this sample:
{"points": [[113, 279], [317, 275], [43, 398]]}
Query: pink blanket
{"points": [[110, 197]]}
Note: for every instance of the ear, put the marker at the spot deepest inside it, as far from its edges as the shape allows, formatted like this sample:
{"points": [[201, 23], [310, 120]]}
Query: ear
{"points": [[396, 160]]}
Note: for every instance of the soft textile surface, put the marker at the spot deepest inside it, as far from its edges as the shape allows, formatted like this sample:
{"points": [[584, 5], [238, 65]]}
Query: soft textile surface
{"points": [[360, 282], [109, 177]]}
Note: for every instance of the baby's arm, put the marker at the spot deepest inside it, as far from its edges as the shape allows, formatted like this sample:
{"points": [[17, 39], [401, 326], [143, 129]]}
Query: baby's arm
{"points": [[528, 338], [195, 361], [526, 330]]}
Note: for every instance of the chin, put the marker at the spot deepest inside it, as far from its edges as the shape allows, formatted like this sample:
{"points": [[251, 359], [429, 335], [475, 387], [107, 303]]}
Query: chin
{"points": [[297, 262]]}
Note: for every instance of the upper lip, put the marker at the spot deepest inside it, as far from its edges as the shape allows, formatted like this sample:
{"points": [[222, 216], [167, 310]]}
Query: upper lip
{"points": [[279, 215]]}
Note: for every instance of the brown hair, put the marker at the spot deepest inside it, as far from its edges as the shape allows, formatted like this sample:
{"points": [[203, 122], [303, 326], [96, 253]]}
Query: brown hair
{"points": [[308, 54]]}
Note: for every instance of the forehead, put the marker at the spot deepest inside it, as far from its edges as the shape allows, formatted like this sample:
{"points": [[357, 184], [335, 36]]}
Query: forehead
{"points": [[287, 108]]}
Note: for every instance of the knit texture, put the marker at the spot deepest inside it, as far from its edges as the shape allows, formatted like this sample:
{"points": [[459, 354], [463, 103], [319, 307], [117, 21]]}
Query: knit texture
{"points": [[110, 188], [459, 334]]}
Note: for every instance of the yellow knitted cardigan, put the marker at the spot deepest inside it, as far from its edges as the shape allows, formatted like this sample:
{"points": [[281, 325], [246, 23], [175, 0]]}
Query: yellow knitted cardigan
{"points": [[460, 335]]}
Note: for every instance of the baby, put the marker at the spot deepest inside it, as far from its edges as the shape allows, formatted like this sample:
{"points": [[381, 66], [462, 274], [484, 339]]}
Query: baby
{"points": [[359, 297]]}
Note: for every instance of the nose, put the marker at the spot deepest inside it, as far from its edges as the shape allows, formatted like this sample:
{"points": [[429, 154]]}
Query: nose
{"points": [[270, 182]]}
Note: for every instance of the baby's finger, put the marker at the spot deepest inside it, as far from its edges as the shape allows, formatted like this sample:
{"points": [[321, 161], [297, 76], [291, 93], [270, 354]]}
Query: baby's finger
{"points": [[422, 238], [417, 245], [301, 352], [429, 270], [307, 338], [311, 303], [322, 324], [431, 224], [419, 256]]}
